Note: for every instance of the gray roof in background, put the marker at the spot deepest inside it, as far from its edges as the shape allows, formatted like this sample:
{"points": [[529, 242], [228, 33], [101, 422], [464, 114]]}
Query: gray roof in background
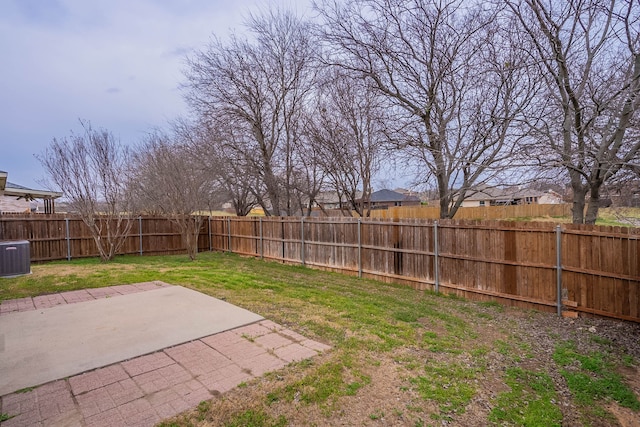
{"points": [[391, 196], [495, 193], [13, 189], [18, 186]]}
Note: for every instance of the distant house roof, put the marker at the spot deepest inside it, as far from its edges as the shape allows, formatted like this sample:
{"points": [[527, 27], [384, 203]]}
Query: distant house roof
{"points": [[332, 197], [391, 196], [11, 189], [495, 193]]}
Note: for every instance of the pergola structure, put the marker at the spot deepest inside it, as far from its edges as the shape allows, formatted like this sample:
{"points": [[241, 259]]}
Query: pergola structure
{"points": [[9, 189]]}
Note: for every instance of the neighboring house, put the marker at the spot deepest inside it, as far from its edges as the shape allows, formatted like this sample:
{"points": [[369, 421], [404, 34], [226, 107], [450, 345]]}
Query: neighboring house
{"points": [[331, 200], [495, 196], [550, 197], [16, 198], [383, 199], [424, 197]]}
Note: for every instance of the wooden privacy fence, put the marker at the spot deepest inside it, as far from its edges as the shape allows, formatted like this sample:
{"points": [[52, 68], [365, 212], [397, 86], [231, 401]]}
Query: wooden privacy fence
{"points": [[567, 268], [55, 237], [476, 213]]}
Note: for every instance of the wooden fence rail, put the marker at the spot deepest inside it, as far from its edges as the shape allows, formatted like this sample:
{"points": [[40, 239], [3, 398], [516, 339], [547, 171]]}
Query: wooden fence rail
{"points": [[588, 269]]}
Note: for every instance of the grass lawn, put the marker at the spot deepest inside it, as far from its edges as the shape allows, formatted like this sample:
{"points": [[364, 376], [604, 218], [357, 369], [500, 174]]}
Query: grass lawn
{"points": [[399, 357]]}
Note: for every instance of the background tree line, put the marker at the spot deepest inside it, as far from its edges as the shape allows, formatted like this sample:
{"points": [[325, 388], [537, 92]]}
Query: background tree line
{"points": [[460, 93]]}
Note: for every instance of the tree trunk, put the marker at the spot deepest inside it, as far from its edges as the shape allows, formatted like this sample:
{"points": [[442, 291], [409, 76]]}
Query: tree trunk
{"points": [[445, 198], [594, 204], [579, 195]]}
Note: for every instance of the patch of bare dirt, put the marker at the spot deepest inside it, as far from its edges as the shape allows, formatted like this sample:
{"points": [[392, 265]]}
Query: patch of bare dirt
{"points": [[625, 416]]}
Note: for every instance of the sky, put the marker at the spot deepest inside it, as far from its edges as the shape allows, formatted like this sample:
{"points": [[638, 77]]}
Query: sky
{"points": [[116, 63]]}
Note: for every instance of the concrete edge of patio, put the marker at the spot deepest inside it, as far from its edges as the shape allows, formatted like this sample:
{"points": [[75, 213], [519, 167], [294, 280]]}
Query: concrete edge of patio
{"points": [[144, 390]]}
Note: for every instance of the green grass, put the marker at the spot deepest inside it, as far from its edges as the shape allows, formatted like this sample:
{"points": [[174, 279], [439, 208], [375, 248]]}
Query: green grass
{"points": [[435, 342], [203, 408], [593, 380], [530, 402], [252, 418], [628, 360], [450, 385], [323, 384], [492, 304]]}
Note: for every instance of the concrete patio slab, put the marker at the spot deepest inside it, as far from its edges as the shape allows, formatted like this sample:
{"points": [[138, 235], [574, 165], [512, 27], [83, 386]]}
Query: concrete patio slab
{"points": [[148, 389], [53, 342]]}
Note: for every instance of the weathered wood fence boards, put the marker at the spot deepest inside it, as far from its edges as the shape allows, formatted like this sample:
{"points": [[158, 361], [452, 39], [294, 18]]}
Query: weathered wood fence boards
{"points": [[601, 268], [592, 269], [476, 213], [55, 237], [516, 262]]}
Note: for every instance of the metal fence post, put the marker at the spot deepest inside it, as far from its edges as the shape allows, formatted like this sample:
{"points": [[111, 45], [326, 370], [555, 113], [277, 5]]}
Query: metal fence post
{"points": [[210, 240], [229, 234], [436, 268], [140, 232], [284, 246], [559, 269], [261, 241], [66, 221], [302, 240], [359, 247]]}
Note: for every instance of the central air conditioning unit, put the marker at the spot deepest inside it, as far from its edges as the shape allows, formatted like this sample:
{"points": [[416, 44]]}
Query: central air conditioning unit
{"points": [[15, 258]]}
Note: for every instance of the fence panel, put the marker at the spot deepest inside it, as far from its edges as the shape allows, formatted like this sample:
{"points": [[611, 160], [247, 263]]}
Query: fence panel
{"points": [[601, 269], [47, 235], [273, 238], [244, 235], [513, 261], [159, 237]]}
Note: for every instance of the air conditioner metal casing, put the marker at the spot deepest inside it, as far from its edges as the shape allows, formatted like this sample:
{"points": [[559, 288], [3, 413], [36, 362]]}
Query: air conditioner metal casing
{"points": [[15, 258]]}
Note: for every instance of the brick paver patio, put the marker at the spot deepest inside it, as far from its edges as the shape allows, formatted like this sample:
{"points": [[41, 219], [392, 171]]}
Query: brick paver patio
{"points": [[145, 390]]}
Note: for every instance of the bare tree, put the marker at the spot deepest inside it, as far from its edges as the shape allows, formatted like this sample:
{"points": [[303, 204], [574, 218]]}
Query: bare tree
{"points": [[234, 175], [309, 176], [220, 153], [588, 52], [348, 133], [167, 177], [452, 77], [89, 168], [258, 87]]}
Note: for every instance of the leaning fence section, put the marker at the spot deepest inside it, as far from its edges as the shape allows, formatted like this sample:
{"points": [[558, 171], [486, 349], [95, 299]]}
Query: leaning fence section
{"points": [[567, 268]]}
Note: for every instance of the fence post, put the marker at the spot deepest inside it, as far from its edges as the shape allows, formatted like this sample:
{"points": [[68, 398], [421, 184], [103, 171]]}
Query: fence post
{"points": [[140, 232], [229, 234], [210, 241], [436, 269], [284, 246], [68, 238], [261, 241], [302, 240], [359, 247], [559, 268]]}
